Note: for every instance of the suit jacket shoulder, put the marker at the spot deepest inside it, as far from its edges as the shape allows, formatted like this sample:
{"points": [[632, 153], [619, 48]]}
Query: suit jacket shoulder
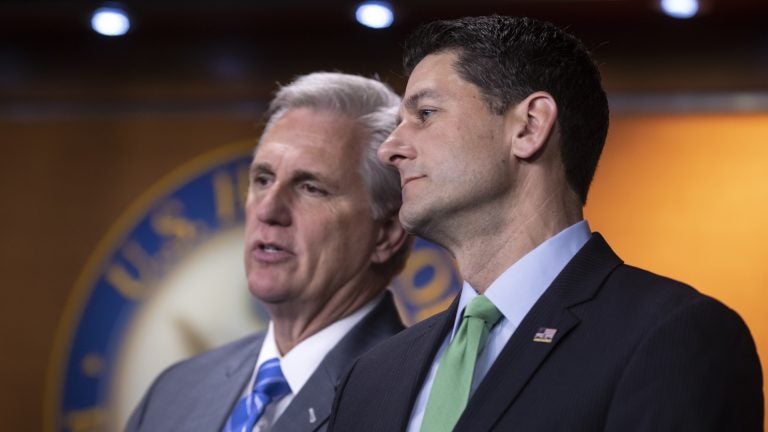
{"points": [[693, 365], [198, 393]]}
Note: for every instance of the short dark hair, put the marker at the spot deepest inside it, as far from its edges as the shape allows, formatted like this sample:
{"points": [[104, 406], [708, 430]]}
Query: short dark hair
{"points": [[508, 58]]}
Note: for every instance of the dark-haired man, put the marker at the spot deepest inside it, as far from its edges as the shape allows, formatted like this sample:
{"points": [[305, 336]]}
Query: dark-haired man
{"points": [[502, 124]]}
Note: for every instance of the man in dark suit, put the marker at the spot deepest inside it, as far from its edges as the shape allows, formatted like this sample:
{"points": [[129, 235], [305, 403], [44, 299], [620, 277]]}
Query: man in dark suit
{"points": [[502, 124], [322, 243]]}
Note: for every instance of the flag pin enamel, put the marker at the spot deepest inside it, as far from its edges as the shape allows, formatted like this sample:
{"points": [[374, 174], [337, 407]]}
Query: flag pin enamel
{"points": [[312, 417], [544, 335]]}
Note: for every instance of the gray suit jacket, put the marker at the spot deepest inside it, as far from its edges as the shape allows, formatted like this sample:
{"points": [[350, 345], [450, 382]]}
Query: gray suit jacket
{"points": [[198, 394]]}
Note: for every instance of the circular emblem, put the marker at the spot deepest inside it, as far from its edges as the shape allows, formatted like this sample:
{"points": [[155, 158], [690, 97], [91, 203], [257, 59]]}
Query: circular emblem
{"points": [[168, 282]]}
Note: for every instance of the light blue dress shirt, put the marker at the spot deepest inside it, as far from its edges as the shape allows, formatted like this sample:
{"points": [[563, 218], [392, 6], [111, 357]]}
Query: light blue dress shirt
{"points": [[514, 293]]}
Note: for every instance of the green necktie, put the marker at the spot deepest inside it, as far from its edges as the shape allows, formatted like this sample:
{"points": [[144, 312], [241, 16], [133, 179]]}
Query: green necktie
{"points": [[450, 390]]}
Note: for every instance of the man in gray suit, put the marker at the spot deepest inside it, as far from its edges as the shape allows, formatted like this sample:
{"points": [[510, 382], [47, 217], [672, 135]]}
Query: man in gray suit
{"points": [[322, 244]]}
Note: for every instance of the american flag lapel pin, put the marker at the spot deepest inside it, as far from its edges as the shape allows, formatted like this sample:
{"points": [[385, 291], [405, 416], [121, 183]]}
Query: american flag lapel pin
{"points": [[544, 335]]}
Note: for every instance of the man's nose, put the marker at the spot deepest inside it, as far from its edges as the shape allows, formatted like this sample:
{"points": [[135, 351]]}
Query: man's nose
{"points": [[395, 148], [273, 206]]}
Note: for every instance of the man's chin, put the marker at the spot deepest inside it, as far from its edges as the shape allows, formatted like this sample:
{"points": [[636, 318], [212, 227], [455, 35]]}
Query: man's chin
{"points": [[268, 292], [414, 220]]}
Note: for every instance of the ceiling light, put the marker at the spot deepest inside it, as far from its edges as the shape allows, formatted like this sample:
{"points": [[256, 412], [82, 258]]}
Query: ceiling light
{"points": [[375, 14], [110, 21], [680, 8]]}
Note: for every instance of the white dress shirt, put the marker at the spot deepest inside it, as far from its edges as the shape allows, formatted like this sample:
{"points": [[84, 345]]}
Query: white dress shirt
{"points": [[301, 361], [514, 293]]}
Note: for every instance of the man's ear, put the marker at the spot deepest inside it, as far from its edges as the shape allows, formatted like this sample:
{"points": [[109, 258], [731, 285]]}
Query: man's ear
{"points": [[530, 124], [391, 237]]}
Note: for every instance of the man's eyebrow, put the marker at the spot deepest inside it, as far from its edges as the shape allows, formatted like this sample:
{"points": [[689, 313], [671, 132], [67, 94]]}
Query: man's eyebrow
{"points": [[297, 176], [412, 101], [304, 175], [261, 168]]}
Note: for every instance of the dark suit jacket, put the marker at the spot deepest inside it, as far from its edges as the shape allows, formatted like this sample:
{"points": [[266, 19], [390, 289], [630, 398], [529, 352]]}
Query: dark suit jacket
{"points": [[199, 394], [633, 351]]}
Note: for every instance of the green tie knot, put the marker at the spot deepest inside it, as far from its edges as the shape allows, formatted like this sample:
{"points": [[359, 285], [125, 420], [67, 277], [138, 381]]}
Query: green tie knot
{"points": [[482, 308]]}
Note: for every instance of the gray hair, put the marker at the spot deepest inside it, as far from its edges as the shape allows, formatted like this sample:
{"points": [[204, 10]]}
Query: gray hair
{"points": [[374, 106], [370, 102]]}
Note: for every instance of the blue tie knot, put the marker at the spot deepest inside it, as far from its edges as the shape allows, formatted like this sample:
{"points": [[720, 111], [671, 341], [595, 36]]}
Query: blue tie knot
{"points": [[270, 380], [270, 386]]}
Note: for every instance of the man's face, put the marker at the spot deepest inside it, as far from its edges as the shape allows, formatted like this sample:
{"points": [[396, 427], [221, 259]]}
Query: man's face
{"points": [[309, 229], [449, 149]]}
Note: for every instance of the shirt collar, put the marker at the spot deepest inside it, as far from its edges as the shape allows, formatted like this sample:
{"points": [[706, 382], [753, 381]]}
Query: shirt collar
{"points": [[301, 361], [518, 288]]}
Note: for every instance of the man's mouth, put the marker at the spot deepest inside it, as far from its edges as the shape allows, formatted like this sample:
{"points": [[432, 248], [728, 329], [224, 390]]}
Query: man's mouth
{"points": [[270, 248], [271, 252], [408, 180]]}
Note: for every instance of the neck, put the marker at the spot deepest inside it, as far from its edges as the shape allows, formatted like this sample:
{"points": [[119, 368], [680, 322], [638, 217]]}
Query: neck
{"points": [[293, 323], [518, 228]]}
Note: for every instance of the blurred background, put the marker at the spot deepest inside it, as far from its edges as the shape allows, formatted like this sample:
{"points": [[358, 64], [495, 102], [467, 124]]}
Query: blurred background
{"points": [[99, 132]]}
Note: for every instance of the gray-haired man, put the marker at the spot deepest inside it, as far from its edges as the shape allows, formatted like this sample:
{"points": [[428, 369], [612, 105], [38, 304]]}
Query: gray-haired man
{"points": [[322, 244]]}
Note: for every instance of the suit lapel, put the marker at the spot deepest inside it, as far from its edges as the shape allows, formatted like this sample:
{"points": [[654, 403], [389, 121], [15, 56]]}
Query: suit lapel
{"points": [[222, 390], [408, 376], [521, 357], [311, 407]]}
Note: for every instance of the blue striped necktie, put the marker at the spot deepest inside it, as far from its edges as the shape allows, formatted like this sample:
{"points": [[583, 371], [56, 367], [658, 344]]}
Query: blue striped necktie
{"points": [[270, 386]]}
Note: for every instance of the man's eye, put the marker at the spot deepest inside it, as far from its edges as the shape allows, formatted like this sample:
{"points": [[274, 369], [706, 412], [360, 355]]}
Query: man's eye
{"points": [[262, 180], [313, 189], [425, 113]]}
